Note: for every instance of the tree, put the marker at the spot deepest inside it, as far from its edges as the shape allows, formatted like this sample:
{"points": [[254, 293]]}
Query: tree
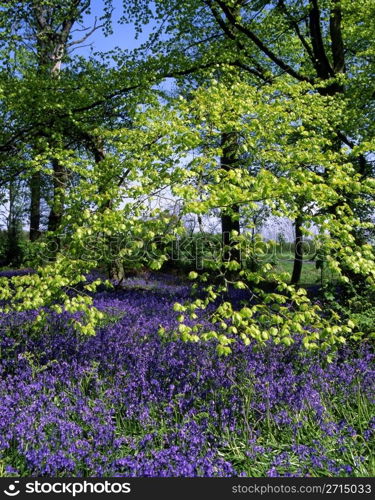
{"points": [[14, 208], [268, 122], [44, 30], [298, 251], [324, 43], [286, 120]]}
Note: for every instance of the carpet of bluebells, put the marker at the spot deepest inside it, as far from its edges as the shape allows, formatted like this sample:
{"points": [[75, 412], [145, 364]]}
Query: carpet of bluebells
{"points": [[128, 403]]}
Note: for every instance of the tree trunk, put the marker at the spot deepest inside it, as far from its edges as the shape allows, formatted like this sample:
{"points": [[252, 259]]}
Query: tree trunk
{"points": [[200, 223], [298, 252], [51, 46], [229, 217], [13, 250], [230, 223], [115, 268], [60, 179], [35, 183]]}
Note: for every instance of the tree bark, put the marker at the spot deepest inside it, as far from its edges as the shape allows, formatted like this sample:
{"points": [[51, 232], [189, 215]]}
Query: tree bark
{"points": [[229, 217], [60, 179], [115, 268], [337, 43], [35, 196], [13, 254], [51, 45], [298, 252]]}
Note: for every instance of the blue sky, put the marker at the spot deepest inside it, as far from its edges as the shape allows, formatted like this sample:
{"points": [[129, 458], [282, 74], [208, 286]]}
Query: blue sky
{"points": [[123, 34]]}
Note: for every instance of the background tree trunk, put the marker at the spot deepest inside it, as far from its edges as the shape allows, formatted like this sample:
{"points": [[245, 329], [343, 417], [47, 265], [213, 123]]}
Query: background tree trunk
{"points": [[60, 180], [13, 254], [35, 196], [230, 217], [298, 252]]}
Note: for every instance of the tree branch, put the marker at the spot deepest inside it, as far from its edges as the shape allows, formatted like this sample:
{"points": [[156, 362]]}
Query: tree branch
{"points": [[294, 24], [322, 65], [254, 38], [86, 36], [258, 70], [337, 44]]}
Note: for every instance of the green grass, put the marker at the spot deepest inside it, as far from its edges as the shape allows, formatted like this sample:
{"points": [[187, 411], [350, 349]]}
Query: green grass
{"points": [[310, 274], [242, 446], [277, 439]]}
